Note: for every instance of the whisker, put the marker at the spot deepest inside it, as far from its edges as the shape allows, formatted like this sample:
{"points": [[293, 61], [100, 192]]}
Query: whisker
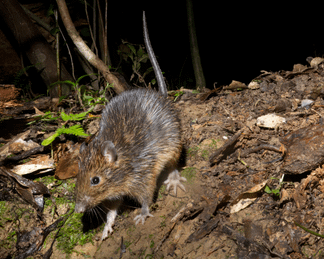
{"points": [[99, 213]]}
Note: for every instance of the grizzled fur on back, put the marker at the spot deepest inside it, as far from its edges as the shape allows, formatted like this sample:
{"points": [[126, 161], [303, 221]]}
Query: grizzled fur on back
{"points": [[145, 131]]}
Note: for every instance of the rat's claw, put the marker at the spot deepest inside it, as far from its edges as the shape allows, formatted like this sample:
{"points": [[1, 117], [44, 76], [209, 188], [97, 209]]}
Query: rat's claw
{"points": [[110, 222], [174, 180], [142, 218], [107, 230]]}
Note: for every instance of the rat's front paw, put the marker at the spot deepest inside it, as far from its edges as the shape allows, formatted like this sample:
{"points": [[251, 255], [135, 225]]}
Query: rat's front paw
{"points": [[107, 230], [174, 180], [142, 217], [110, 222]]}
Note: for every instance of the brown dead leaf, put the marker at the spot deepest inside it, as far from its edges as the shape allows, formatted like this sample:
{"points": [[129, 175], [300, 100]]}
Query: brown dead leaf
{"points": [[247, 198], [38, 112], [31, 192], [67, 166]]}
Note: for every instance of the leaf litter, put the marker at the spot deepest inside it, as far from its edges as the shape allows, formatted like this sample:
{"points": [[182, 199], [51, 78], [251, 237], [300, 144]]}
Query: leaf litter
{"points": [[255, 192]]}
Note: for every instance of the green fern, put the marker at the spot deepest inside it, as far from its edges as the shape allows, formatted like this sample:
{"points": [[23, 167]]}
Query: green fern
{"points": [[76, 130], [74, 117]]}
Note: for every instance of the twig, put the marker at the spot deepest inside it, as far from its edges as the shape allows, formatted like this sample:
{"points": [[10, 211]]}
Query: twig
{"points": [[308, 230], [225, 150], [165, 237]]}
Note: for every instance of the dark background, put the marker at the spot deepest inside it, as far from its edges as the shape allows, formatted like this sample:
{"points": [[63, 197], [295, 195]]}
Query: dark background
{"points": [[236, 40]]}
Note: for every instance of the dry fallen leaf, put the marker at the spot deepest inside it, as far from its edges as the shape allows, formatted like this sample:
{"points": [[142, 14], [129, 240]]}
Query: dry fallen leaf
{"points": [[247, 198]]}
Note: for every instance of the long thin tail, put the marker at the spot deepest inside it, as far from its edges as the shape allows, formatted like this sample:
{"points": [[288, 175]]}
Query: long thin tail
{"points": [[155, 64]]}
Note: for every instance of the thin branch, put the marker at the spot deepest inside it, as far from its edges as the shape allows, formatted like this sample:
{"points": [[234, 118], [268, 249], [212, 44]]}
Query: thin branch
{"points": [[119, 85], [90, 29]]}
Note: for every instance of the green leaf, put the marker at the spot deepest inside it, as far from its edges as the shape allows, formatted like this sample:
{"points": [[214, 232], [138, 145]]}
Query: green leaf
{"points": [[76, 130], [81, 77], [54, 31], [74, 117], [267, 189], [62, 98], [132, 48], [276, 192], [143, 58], [50, 139], [64, 116], [140, 52]]}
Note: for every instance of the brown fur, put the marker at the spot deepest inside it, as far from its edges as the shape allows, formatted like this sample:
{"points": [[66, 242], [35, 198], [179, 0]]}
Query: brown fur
{"points": [[145, 146]]}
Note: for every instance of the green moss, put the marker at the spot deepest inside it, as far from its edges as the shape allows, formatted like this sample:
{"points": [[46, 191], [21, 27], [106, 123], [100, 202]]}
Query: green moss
{"points": [[204, 149], [205, 154], [7, 214], [71, 234], [161, 191], [49, 179], [163, 223], [193, 151], [189, 173]]}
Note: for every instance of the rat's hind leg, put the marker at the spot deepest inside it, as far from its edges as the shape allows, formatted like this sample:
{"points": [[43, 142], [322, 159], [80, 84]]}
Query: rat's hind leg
{"points": [[174, 180], [144, 214]]}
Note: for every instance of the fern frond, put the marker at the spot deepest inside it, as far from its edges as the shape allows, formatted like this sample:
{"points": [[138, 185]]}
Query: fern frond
{"points": [[75, 117], [76, 130], [50, 139]]}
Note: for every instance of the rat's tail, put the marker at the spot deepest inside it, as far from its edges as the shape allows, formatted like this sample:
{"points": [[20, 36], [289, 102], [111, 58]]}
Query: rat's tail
{"points": [[155, 64]]}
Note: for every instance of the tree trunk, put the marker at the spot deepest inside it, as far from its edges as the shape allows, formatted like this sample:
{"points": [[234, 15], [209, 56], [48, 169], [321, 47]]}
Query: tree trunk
{"points": [[111, 78], [199, 74], [33, 44]]}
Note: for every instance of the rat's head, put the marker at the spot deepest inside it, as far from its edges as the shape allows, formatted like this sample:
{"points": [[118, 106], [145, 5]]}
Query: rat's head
{"points": [[98, 177]]}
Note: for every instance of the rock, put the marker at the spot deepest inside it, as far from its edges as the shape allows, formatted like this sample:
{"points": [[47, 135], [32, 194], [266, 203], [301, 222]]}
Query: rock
{"points": [[270, 121]]}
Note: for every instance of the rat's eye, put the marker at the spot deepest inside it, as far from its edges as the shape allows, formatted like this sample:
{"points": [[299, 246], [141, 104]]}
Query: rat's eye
{"points": [[95, 180]]}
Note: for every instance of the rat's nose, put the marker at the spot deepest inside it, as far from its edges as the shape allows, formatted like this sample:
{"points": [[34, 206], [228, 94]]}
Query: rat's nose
{"points": [[79, 207]]}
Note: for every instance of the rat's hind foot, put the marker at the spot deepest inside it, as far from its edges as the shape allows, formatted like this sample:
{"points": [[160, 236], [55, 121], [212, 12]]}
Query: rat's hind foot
{"points": [[145, 213], [174, 180]]}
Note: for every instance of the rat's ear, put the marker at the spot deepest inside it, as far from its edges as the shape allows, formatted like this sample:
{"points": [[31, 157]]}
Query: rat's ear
{"points": [[108, 150]]}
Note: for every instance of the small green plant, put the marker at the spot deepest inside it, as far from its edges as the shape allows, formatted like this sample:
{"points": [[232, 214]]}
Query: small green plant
{"points": [[275, 192], [85, 96], [76, 130], [177, 94], [189, 173], [137, 57], [152, 244], [163, 223], [48, 116]]}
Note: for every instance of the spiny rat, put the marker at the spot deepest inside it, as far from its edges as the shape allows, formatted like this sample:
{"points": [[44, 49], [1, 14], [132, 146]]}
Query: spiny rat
{"points": [[138, 138]]}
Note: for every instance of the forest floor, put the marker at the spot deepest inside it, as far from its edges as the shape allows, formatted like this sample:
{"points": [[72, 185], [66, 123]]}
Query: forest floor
{"points": [[253, 190]]}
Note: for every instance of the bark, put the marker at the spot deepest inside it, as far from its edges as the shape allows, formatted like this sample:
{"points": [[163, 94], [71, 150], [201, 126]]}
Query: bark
{"points": [[33, 44], [199, 74], [111, 78]]}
